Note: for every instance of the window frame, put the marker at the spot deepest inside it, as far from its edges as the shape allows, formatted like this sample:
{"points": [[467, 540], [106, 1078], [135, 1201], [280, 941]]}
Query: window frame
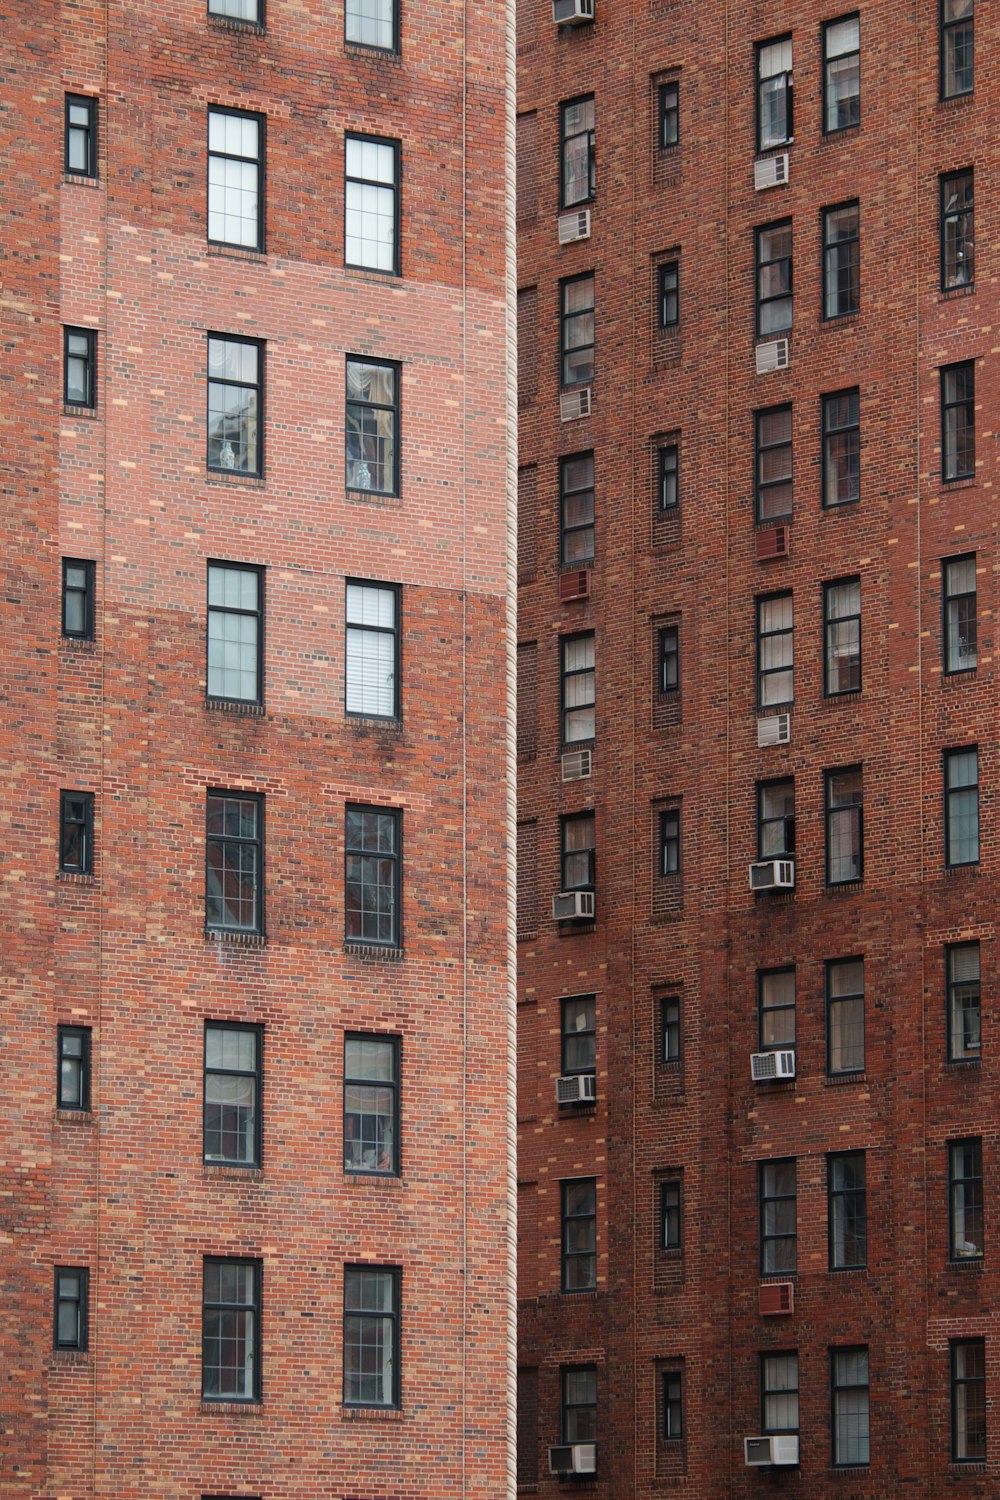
{"points": [[366, 138], [667, 110], [255, 22], [957, 230], [844, 1206], [242, 795], [671, 866], [843, 998], [258, 614], [569, 492], [84, 864], [569, 1035], [668, 482], [259, 161], [252, 1310], [590, 884], [959, 1384], [566, 319], [671, 1198], [257, 470], [840, 1387], [947, 31], [763, 1010], [670, 1031], [672, 1403], [79, 1343], [766, 704], [950, 758], [787, 851], [951, 618], [668, 294], [394, 943], [566, 142], [569, 1255], [64, 1033], [395, 407], [965, 1200], [668, 639], [768, 1390], [956, 1010], [787, 89], [964, 369], [87, 596], [832, 431], [89, 336], [764, 264], [834, 266], [394, 1320], [89, 102], [394, 1043], [393, 49], [830, 101], [568, 674], [831, 656], [774, 1244], [256, 1159], [856, 811], [763, 447], [568, 1425], [395, 630]]}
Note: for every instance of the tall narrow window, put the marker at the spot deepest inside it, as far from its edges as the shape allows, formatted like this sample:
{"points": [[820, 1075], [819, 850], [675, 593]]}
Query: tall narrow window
{"points": [[236, 178], [230, 1330], [80, 158], [670, 1029], [774, 93], [232, 1094], [577, 178], [775, 1009], [579, 1235], [776, 819], [372, 23], [774, 278], [841, 448], [773, 479], [577, 319], [73, 1071], [76, 833], [579, 1035], [371, 686], [965, 1199], [234, 888], [670, 1214], [841, 73], [80, 367], [372, 425], [669, 659], [670, 112], [578, 837], [371, 1336], [235, 404], [578, 688], [841, 260], [670, 841], [961, 807], [71, 1288], [579, 1404], [958, 249], [958, 420], [78, 599], [251, 11], [371, 1104], [777, 1217], [844, 825], [576, 492], [372, 895], [960, 634], [668, 476], [964, 1014], [847, 1211], [775, 668], [845, 1016], [779, 1392], [957, 51], [235, 632], [371, 203], [842, 636], [669, 293], [672, 1400], [968, 1401], [849, 1399]]}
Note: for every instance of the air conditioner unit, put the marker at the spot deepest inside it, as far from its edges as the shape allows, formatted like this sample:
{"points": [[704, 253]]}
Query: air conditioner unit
{"points": [[574, 585], [772, 541], [573, 1458], [775, 729], [576, 1088], [572, 12], [767, 1452], [574, 404], [574, 226], [776, 1299], [576, 765], [773, 875], [768, 1067], [573, 906], [770, 172], [772, 356]]}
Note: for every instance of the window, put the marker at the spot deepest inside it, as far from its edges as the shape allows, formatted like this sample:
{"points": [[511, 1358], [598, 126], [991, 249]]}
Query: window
{"points": [[672, 1396], [968, 1401], [775, 1009], [232, 1094], [841, 260], [841, 73], [670, 1030], [956, 23], [80, 367], [579, 1404], [844, 825], [577, 837], [777, 1217], [371, 1104], [230, 1330], [371, 203], [964, 1015], [845, 1016], [80, 159], [958, 421], [670, 841], [841, 448], [238, 10], [779, 1392], [774, 278], [668, 471], [578, 713], [849, 1407], [235, 632], [371, 668], [576, 493], [670, 1215], [961, 807], [372, 420], [958, 257], [847, 1210], [73, 1073], [372, 23], [774, 93], [965, 1199], [579, 1235], [960, 645], [235, 404], [76, 833], [234, 859], [236, 179], [576, 131], [775, 663], [842, 637], [670, 115], [776, 819], [78, 599], [773, 482], [579, 1035], [668, 293], [70, 1319], [577, 342], [371, 1336], [669, 659], [372, 877]]}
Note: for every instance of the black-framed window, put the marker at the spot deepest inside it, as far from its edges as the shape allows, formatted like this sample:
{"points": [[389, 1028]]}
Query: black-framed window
{"points": [[957, 47], [235, 404], [773, 247], [234, 862], [579, 1404], [844, 798], [576, 303], [842, 637], [235, 178], [847, 1210], [668, 466], [371, 1104], [841, 447], [670, 841], [371, 659], [577, 157], [372, 23], [965, 1199], [670, 1029], [669, 658], [80, 146], [773, 463], [576, 509], [579, 1234], [776, 818], [774, 93], [669, 112], [961, 806], [964, 1015], [233, 1082], [578, 1034], [372, 1336], [80, 367], [850, 1438], [73, 1068], [372, 169], [775, 1009], [958, 420], [958, 579], [230, 1329], [70, 1307], [841, 73], [958, 246], [578, 837], [777, 1216], [76, 833], [672, 1405], [841, 260], [845, 1016], [668, 293], [78, 581], [372, 425], [578, 688], [779, 1391], [775, 651], [251, 11], [235, 632], [670, 1214], [968, 1400], [373, 875]]}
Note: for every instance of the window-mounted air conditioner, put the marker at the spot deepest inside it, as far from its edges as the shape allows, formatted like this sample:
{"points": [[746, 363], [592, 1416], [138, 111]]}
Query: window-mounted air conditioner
{"points": [[576, 765], [772, 356], [573, 1458], [573, 906], [576, 1088], [771, 171], [574, 404], [768, 1067], [776, 1299], [772, 541], [572, 12], [775, 729], [773, 875], [574, 226], [574, 585], [768, 1452]]}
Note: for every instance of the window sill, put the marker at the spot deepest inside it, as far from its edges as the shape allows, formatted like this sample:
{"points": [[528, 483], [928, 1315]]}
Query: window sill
{"points": [[362, 724], [837, 320], [371, 1413], [237, 252], [78, 179], [970, 1264], [960, 482], [235, 939], [372, 273], [224, 1408], [953, 872], [838, 1080], [386, 55], [373, 497], [248, 1173], [235, 25], [84, 413], [844, 888], [369, 1177], [950, 101], [84, 643], [68, 1357], [74, 1117], [234, 476], [957, 678], [374, 952], [963, 289], [842, 132], [960, 1064], [974, 1466], [236, 706], [73, 877]]}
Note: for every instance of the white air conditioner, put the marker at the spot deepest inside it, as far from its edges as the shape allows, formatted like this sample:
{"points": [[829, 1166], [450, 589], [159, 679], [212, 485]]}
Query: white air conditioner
{"points": [[775, 729], [772, 356], [768, 1067], [765, 1452], [573, 906], [772, 171], [773, 875], [576, 765], [576, 1088], [574, 404], [573, 1458], [572, 12], [574, 226]]}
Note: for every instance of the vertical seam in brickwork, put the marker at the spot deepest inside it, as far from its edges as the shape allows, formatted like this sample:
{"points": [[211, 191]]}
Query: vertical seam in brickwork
{"points": [[633, 551], [465, 739], [728, 757]]}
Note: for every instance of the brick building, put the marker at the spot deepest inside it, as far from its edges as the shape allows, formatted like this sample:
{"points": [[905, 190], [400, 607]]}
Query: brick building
{"points": [[758, 854], [254, 404]]}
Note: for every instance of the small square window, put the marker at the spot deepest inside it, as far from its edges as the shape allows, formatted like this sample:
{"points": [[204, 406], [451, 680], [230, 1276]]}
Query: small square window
{"points": [[80, 367], [841, 73], [371, 1104], [373, 876], [81, 136], [73, 1071], [371, 1336], [669, 114], [233, 1076], [235, 632], [372, 421], [371, 662], [235, 404], [371, 203], [230, 1330], [372, 23], [76, 833], [78, 599], [234, 862], [236, 179], [70, 1312], [841, 260]]}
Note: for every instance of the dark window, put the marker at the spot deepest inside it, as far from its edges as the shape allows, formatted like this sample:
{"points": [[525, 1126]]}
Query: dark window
{"points": [[230, 1330], [234, 860], [841, 260], [670, 1030], [236, 178], [70, 1311], [668, 470], [968, 1401], [579, 1404], [777, 1217], [775, 1009], [235, 404], [842, 637], [576, 493], [78, 599], [850, 1442], [371, 1336], [774, 93], [235, 632], [372, 422], [847, 1210], [670, 841], [577, 340], [779, 1392], [371, 1104], [958, 260], [73, 1073], [844, 825], [841, 448], [841, 73], [373, 876], [673, 1404], [232, 1094], [670, 115], [961, 807], [371, 661], [579, 1035], [845, 1016], [774, 278], [965, 1199], [670, 1215], [372, 23], [773, 480], [371, 203], [577, 839], [775, 660], [958, 421], [251, 11], [964, 1014], [577, 158], [958, 576], [670, 659], [80, 367], [76, 833], [776, 819], [668, 293], [957, 53], [81, 136], [579, 1235], [578, 688]]}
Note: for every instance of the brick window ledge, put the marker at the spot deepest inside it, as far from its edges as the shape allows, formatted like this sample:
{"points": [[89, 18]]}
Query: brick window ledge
{"points": [[73, 877], [373, 953], [72, 1117], [236, 939], [209, 1407], [232, 706], [83, 413], [372, 1414]]}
